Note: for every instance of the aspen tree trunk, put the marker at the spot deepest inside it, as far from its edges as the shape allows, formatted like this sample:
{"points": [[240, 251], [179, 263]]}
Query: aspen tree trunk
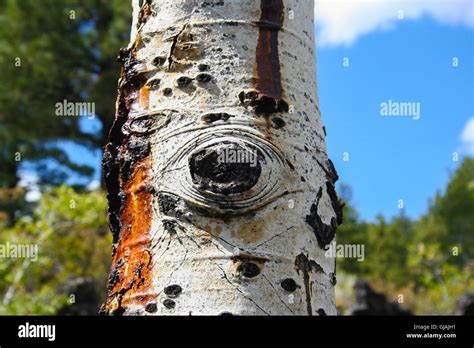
{"points": [[221, 193]]}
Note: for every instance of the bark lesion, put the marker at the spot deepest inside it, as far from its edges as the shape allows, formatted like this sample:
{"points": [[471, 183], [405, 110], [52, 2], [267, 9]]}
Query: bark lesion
{"points": [[183, 47], [325, 233], [306, 266]]}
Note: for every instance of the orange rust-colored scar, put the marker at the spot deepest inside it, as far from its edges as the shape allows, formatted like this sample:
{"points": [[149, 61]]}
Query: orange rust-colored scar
{"points": [[144, 97], [267, 58], [132, 261]]}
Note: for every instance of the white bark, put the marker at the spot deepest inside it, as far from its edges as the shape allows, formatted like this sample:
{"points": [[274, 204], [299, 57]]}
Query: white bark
{"points": [[209, 243]]}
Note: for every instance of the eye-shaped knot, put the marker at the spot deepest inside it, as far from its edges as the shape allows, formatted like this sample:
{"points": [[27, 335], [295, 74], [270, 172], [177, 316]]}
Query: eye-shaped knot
{"points": [[226, 168]]}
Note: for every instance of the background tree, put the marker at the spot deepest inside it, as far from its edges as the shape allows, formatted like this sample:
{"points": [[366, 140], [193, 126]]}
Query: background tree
{"points": [[50, 51], [70, 233], [428, 261]]}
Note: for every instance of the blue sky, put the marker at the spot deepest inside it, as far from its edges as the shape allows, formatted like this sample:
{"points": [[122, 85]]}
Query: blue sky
{"points": [[408, 59]]}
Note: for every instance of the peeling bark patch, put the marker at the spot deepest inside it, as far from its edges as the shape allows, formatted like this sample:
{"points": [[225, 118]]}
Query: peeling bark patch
{"points": [[114, 277], [115, 161], [324, 233], [135, 217], [306, 266], [175, 51], [173, 291], [270, 98], [144, 14], [289, 285]]}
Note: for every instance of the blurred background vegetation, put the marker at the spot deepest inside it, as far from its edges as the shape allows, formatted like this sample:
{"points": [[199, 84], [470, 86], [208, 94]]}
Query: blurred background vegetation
{"points": [[67, 50]]}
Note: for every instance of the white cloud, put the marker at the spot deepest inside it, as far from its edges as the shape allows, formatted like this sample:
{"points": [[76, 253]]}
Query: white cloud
{"points": [[343, 21], [467, 136], [30, 182]]}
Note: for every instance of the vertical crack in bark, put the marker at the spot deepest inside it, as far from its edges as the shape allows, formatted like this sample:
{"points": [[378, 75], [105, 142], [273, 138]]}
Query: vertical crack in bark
{"points": [[174, 42], [237, 288], [277, 294]]}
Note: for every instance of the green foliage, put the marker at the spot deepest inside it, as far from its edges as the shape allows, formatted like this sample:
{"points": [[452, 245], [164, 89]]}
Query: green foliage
{"points": [[49, 54], [428, 260], [69, 230]]}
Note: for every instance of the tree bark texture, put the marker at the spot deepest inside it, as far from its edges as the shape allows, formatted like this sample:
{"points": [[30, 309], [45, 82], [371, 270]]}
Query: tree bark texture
{"points": [[221, 194]]}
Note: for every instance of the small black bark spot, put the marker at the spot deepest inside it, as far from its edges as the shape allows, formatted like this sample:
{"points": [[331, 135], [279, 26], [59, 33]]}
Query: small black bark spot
{"points": [[263, 104], [214, 117], [170, 226], [167, 92], [321, 312], [203, 78], [170, 304], [167, 204], [159, 61], [154, 83], [183, 81], [203, 67], [289, 285], [248, 269], [151, 307], [173, 291], [292, 167], [119, 311], [278, 122]]}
